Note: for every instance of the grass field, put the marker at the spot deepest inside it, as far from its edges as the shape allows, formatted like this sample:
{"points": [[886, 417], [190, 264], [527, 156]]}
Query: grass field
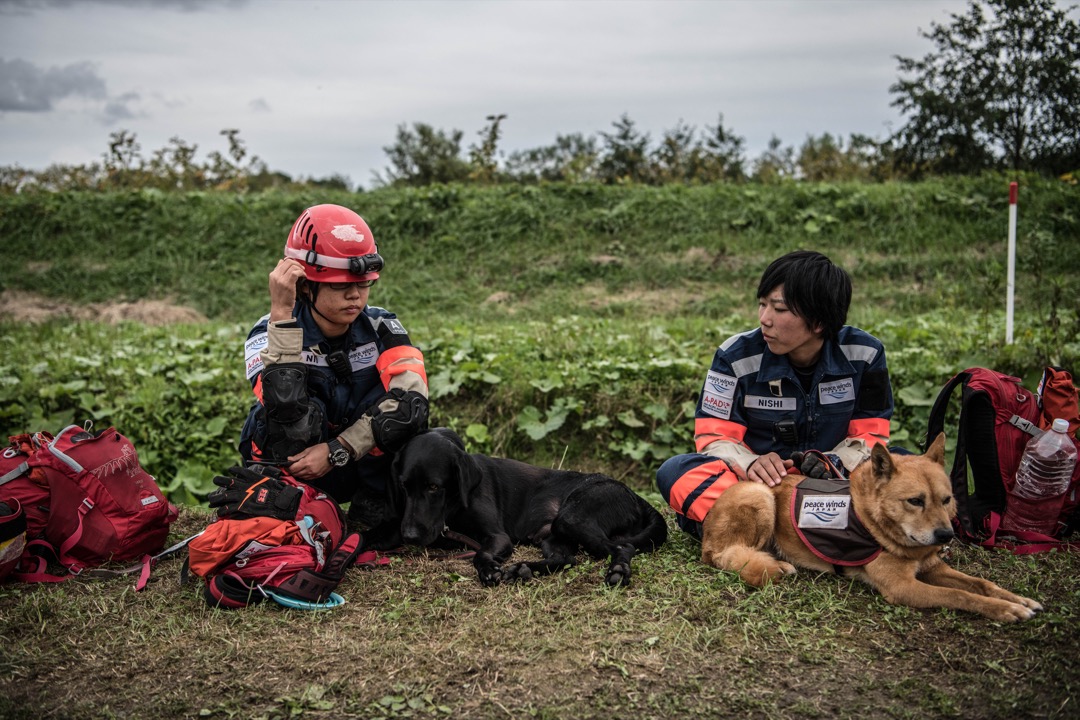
{"points": [[598, 308], [422, 638]]}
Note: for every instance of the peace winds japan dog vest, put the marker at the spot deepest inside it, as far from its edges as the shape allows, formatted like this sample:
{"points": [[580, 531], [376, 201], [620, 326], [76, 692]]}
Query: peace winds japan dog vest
{"points": [[823, 517]]}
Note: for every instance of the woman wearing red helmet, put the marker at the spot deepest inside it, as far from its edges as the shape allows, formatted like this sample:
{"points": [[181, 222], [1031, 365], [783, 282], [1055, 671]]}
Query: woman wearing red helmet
{"points": [[337, 382]]}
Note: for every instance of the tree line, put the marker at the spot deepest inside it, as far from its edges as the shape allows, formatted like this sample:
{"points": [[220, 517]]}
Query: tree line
{"points": [[1000, 90], [422, 155]]}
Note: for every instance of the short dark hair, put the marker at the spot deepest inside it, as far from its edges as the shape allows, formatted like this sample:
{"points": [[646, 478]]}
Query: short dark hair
{"points": [[815, 289]]}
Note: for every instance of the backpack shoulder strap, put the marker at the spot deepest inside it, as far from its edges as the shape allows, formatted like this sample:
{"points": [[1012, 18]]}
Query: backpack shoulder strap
{"points": [[935, 426], [936, 422]]}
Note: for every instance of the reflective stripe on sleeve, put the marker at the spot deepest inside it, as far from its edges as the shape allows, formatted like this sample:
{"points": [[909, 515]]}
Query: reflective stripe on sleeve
{"points": [[694, 493], [871, 431], [709, 430], [401, 359]]}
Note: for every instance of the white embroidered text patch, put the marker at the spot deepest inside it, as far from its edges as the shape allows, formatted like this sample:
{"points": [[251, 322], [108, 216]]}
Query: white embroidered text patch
{"points": [[824, 511]]}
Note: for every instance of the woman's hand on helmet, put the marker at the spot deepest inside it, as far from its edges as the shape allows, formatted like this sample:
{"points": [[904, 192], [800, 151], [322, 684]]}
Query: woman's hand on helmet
{"points": [[284, 281]]}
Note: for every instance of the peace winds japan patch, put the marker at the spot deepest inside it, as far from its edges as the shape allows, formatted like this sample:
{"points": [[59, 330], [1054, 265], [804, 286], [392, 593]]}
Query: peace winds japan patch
{"points": [[824, 511], [718, 394]]}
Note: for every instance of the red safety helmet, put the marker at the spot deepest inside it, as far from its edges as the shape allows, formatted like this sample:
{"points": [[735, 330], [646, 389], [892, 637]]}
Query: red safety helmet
{"points": [[334, 244]]}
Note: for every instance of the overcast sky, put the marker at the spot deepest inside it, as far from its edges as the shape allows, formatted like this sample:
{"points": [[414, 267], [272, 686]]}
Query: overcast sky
{"points": [[318, 88]]}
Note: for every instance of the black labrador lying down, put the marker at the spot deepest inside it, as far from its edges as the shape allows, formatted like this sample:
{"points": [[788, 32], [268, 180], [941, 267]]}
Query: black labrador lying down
{"points": [[500, 502]]}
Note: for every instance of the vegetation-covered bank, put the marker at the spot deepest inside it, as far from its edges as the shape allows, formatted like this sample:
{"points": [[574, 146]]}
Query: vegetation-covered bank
{"points": [[557, 250], [561, 324]]}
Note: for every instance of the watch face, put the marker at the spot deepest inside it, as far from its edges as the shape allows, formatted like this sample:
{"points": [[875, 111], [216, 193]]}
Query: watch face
{"points": [[338, 455]]}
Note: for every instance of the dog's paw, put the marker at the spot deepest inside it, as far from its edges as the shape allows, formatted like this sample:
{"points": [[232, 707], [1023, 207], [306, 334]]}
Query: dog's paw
{"points": [[1029, 603], [618, 575], [761, 574], [1015, 613], [517, 572], [490, 576]]}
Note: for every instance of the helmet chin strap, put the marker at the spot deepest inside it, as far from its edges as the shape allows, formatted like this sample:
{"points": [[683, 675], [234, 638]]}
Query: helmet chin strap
{"points": [[309, 299]]}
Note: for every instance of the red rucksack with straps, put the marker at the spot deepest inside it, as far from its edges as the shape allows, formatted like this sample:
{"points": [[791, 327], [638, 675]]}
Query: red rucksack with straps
{"points": [[86, 501], [997, 418], [274, 538], [12, 535], [17, 482]]}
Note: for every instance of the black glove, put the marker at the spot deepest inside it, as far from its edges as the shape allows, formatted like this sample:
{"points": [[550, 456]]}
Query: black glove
{"points": [[812, 465], [255, 491]]}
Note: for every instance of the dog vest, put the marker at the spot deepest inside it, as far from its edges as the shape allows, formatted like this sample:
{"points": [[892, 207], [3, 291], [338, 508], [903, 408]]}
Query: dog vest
{"points": [[825, 520]]}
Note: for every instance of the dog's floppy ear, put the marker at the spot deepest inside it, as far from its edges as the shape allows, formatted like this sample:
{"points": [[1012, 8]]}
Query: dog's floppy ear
{"points": [[936, 451], [468, 475], [450, 435], [395, 489], [881, 463]]}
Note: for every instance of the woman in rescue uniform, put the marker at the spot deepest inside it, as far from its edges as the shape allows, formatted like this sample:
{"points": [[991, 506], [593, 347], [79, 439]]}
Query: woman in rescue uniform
{"points": [[802, 380], [338, 384]]}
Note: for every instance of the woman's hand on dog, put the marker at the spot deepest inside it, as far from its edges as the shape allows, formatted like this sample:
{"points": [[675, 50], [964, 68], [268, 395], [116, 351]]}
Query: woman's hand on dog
{"points": [[769, 469]]}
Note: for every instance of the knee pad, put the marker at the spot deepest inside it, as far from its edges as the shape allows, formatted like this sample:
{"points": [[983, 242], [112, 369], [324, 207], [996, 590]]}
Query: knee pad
{"points": [[282, 440], [284, 392]]}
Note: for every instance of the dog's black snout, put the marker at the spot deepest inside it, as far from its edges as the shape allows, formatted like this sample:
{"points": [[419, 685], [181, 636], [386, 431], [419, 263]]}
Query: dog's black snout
{"points": [[943, 535]]}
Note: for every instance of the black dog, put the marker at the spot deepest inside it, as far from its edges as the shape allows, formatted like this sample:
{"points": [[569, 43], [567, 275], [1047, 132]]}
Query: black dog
{"points": [[500, 502]]}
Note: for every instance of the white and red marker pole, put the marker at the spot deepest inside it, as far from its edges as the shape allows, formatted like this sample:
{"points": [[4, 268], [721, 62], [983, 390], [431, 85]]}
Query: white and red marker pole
{"points": [[1010, 284]]}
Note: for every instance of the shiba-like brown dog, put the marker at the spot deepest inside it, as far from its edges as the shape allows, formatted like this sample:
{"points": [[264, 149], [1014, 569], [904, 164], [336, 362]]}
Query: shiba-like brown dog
{"points": [[905, 504]]}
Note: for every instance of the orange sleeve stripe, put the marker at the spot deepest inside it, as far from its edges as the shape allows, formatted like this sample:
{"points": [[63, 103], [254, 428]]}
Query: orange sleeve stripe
{"points": [[716, 472], [709, 430], [870, 430], [387, 369], [257, 387]]}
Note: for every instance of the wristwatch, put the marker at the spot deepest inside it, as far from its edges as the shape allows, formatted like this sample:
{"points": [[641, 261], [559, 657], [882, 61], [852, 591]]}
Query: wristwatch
{"points": [[338, 454]]}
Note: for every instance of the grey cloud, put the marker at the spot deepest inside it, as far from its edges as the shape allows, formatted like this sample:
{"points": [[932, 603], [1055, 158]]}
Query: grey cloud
{"points": [[24, 87], [25, 7], [118, 108], [259, 105]]}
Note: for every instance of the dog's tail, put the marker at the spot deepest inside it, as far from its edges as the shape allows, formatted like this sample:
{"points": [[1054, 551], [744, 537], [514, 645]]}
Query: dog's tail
{"points": [[651, 534]]}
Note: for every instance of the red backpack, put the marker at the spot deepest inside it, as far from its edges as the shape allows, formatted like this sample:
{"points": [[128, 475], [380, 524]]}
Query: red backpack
{"points": [[86, 501], [274, 538], [12, 535], [997, 418], [18, 482]]}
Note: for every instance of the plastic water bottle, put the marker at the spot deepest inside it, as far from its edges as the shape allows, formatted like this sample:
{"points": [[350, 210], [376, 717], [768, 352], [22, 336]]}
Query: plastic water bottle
{"points": [[1041, 481]]}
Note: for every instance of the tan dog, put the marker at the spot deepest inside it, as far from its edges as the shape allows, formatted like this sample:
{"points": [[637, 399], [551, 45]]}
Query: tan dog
{"points": [[906, 505]]}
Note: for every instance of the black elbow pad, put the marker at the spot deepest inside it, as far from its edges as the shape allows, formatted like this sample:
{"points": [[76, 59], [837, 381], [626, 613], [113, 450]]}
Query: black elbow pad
{"points": [[393, 428]]}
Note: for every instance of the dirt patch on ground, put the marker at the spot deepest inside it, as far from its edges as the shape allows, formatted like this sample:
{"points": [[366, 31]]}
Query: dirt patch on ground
{"points": [[658, 301], [31, 308]]}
